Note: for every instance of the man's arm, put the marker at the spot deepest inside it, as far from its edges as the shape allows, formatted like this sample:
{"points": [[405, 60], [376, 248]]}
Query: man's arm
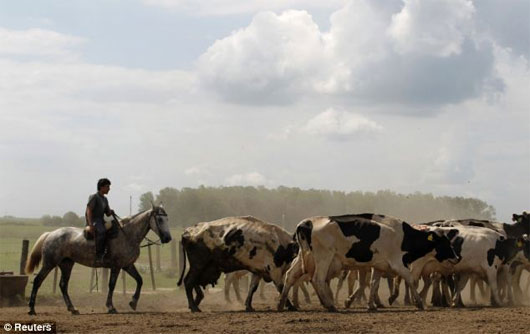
{"points": [[88, 214]]}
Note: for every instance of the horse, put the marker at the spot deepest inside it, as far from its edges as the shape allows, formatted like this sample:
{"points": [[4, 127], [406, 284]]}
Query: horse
{"points": [[65, 246]]}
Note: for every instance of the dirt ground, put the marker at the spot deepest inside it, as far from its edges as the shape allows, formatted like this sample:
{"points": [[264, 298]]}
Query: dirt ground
{"points": [[166, 312]]}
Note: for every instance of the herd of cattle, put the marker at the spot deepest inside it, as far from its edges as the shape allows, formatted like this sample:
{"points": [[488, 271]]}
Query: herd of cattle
{"points": [[445, 254]]}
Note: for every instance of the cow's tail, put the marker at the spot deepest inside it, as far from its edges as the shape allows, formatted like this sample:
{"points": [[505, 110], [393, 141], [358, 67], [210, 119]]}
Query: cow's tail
{"points": [[182, 260], [303, 238], [35, 255]]}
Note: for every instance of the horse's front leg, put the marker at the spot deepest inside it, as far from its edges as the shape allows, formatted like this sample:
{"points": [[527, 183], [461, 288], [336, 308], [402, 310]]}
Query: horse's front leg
{"points": [[114, 272], [131, 270]]}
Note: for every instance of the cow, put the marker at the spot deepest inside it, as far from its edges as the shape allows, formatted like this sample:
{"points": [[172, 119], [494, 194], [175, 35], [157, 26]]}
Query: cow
{"points": [[230, 244], [329, 244], [482, 252]]}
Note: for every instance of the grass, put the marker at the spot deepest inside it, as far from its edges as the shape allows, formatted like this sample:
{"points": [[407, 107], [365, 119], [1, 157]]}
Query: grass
{"points": [[13, 232]]}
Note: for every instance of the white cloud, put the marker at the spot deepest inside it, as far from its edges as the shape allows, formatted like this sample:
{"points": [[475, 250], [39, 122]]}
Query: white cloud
{"points": [[38, 43], [341, 125], [272, 60], [432, 27], [248, 179], [370, 53], [231, 7]]}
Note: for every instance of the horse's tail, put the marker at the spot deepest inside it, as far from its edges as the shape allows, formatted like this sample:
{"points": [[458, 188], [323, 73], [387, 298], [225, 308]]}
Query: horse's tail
{"points": [[36, 254], [182, 261]]}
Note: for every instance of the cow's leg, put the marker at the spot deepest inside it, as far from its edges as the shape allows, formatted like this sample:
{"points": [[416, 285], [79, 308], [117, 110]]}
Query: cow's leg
{"points": [[296, 287], [359, 293], [341, 277], [307, 297], [460, 283], [516, 284], [320, 279], [447, 287], [254, 282], [66, 269], [492, 281], [436, 299], [407, 276], [131, 270], [199, 295], [237, 290], [352, 276], [190, 283], [394, 291], [472, 286], [427, 282], [376, 278], [262, 290], [37, 281], [114, 272], [291, 277], [228, 282]]}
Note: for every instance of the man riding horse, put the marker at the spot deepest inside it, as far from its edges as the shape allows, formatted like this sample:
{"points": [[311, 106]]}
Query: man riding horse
{"points": [[97, 206]]}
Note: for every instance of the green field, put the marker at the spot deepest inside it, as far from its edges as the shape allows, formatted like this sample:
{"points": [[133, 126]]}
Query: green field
{"points": [[12, 234]]}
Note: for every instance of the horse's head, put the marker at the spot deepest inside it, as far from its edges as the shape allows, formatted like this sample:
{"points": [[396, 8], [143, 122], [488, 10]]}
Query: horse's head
{"points": [[159, 223]]}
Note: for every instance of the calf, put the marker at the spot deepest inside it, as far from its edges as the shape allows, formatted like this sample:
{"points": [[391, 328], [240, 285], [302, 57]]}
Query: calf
{"points": [[235, 243], [333, 243]]}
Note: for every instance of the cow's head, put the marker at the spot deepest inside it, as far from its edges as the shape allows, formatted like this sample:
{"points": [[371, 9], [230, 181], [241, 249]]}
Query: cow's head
{"points": [[441, 240], [523, 218]]}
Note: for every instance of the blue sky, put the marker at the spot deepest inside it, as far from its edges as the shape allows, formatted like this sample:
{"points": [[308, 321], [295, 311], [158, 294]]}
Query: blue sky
{"points": [[405, 95]]}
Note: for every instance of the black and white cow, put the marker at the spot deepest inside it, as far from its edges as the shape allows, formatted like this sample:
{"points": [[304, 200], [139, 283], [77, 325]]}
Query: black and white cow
{"points": [[333, 243], [235, 243], [482, 251]]}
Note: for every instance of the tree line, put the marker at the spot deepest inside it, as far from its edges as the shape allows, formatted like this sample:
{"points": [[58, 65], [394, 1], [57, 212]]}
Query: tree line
{"points": [[287, 206]]}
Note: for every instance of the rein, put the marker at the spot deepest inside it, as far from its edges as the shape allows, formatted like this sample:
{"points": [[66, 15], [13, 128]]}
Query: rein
{"points": [[149, 241]]}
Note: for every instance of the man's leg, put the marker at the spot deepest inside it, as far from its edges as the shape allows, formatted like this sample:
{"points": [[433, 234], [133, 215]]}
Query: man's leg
{"points": [[100, 239]]}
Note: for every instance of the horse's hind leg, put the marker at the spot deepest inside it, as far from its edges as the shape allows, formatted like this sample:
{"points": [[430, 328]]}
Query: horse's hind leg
{"points": [[131, 270], [114, 272], [66, 269], [37, 281]]}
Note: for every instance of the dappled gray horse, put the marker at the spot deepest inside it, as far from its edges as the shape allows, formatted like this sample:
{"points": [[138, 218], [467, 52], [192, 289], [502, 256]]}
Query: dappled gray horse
{"points": [[67, 245]]}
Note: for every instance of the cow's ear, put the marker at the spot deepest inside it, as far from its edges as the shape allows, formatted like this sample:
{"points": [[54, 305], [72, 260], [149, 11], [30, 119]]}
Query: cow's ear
{"points": [[452, 233]]}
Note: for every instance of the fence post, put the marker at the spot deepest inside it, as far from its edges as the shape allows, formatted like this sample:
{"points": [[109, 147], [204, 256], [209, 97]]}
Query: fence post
{"points": [[105, 280], [157, 253], [24, 256], [55, 271], [173, 254], [123, 281], [151, 267]]}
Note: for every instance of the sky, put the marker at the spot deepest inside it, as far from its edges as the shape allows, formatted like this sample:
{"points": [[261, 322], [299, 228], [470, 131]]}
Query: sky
{"points": [[402, 95]]}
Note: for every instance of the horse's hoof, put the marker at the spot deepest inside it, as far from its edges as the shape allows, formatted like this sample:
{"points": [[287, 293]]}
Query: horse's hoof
{"points": [[74, 312], [249, 309], [112, 311], [195, 310], [133, 305], [372, 309], [32, 312]]}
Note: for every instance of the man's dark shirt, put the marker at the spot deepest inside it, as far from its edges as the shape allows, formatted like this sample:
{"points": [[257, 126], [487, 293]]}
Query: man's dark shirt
{"points": [[99, 206]]}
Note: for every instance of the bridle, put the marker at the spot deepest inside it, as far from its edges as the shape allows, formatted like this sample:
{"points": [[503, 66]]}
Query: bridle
{"points": [[154, 214]]}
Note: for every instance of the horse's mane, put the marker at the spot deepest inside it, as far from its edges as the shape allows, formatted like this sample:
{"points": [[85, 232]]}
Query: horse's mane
{"points": [[127, 220]]}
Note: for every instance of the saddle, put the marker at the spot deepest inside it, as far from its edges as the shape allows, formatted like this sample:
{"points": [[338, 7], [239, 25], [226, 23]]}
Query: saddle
{"points": [[112, 228]]}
